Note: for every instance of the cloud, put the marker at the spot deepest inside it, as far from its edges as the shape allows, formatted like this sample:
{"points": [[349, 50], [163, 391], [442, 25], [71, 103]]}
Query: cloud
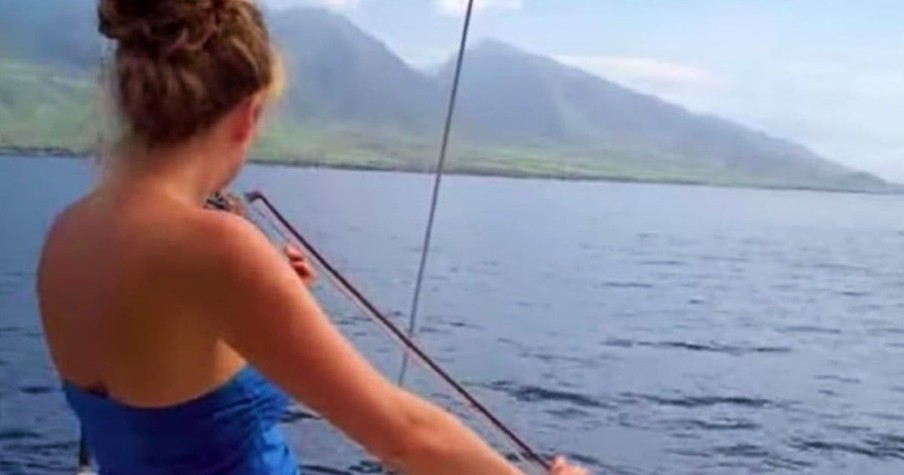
{"points": [[337, 5], [341, 4], [649, 72], [458, 7]]}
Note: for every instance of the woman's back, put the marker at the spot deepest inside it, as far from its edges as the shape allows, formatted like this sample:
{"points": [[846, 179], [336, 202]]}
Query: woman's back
{"points": [[155, 388], [116, 282]]}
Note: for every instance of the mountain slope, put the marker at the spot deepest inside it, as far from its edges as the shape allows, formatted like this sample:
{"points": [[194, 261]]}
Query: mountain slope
{"points": [[342, 75], [508, 96], [42, 108], [51, 32]]}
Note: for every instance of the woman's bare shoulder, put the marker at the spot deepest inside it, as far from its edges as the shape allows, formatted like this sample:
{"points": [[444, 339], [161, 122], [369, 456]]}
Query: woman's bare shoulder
{"points": [[62, 236], [225, 244], [176, 249]]}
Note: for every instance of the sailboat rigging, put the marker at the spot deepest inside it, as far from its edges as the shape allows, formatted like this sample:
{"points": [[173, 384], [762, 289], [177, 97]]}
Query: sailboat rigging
{"points": [[437, 183]]}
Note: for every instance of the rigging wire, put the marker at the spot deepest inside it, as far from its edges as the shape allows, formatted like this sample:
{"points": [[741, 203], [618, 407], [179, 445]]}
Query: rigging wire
{"points": [[437, 184]]}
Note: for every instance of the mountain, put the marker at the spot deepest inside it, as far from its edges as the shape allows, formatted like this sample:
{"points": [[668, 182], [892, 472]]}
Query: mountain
{"points": [[352, 101], [43, 108], [345, 76], [61, 33], [510, 96]]}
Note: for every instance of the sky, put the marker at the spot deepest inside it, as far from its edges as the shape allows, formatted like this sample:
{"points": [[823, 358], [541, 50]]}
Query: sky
{"points": [[826, 73]]}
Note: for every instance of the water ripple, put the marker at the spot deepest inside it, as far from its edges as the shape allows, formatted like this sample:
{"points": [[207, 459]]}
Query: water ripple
{"points": [[838, 378], [742, 450], [18, 434], [624, 285], [839, 267], [664, 263], [35, 390], [701, 401], [853, 293], [554, 358], [809, 329], [881, 446], [704, 347], [571, 413], [712, 347], [727, 424], [532, 394], [618, 343]]}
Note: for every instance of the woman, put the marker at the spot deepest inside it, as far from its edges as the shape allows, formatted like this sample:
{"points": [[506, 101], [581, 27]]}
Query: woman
{"points": [[167, 321]]}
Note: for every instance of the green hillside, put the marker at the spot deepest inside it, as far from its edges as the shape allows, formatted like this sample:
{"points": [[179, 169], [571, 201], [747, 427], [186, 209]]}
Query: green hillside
{"points": [[43, 107]]}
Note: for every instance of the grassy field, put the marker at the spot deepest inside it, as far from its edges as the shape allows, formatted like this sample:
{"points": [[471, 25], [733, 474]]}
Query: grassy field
{"points": [[287, 143]]}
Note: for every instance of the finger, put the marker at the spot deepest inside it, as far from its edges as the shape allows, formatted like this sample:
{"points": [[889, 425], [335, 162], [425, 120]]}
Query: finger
{"points": [[293, 253], [307, 272], [558, 465], [302, 267], [577, 470]]}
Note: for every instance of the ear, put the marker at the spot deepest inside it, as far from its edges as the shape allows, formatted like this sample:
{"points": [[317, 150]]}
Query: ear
{"points": [[246, 117]]}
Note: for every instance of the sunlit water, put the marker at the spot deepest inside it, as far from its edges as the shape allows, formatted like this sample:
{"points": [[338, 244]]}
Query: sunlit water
{"points": [[643, 329]]}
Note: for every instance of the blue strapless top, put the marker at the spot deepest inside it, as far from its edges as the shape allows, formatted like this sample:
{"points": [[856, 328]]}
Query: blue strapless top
{"points": [[229, 431]]}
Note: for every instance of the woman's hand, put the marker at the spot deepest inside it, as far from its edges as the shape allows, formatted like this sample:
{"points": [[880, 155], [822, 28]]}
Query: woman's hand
{"points": [[301, 264], [561, 467]]}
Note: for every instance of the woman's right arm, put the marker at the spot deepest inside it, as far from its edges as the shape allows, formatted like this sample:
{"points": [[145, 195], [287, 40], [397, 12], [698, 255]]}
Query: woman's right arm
{"points": [[266, 315]]}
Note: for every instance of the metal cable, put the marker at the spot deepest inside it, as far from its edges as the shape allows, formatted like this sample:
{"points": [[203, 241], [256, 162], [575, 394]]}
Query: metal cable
{"points": [[437, 183]]}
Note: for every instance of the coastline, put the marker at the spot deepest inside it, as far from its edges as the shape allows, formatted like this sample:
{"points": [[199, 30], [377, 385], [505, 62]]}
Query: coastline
{"points": [[66, 153], [41, 152]]}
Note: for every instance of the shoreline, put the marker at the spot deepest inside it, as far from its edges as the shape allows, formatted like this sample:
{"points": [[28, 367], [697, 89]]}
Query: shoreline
{"points": [[69, 154], [43, 152]]}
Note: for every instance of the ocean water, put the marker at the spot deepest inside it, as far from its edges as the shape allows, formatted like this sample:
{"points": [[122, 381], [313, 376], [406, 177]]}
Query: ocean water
{"points": [[641, 329]]}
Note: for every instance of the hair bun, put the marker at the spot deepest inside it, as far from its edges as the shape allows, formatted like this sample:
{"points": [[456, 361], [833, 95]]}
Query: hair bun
{"points": [[162, 28]]}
